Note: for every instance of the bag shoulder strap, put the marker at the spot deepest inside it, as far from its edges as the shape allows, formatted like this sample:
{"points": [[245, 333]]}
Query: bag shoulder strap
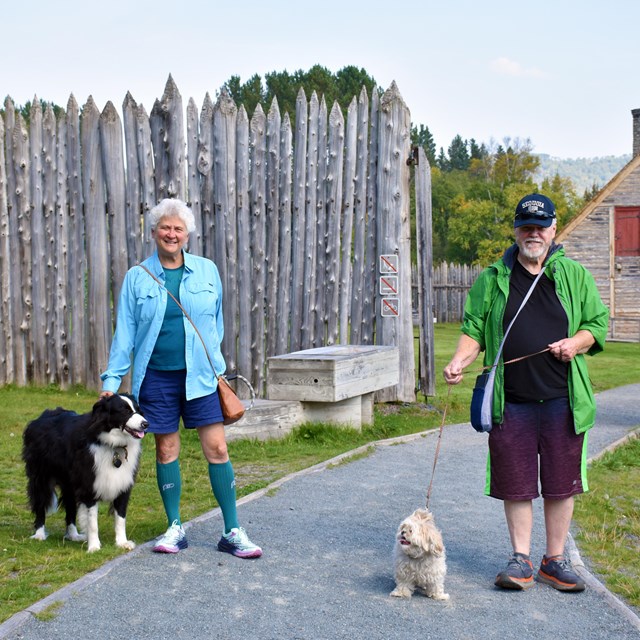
{"points": [[524, 301], [186, 315]]}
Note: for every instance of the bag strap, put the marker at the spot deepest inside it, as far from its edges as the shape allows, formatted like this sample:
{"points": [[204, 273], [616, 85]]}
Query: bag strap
{"points": [[186, 315], [524, 301]]}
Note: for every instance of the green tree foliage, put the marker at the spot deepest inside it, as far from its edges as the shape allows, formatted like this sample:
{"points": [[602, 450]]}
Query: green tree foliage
{"points": [[459, 158], [341, 86], [474, 194], [421, 136], [25, 110]]}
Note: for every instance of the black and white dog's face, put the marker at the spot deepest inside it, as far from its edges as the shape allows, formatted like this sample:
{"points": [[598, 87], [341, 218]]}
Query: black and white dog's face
{"points": [[120, 412]]}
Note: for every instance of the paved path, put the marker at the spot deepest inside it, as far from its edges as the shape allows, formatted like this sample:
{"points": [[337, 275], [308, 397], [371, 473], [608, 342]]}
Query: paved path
{"points": [[327, 571]]}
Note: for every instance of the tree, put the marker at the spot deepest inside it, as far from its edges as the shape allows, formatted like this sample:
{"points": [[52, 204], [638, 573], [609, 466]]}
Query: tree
{"points": [[422, 137], [341, 87], [250, 94], [458, 154]]}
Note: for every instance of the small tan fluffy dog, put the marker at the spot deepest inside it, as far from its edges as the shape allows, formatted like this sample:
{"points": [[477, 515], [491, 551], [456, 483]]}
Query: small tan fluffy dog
{"points": [[420, 560]]}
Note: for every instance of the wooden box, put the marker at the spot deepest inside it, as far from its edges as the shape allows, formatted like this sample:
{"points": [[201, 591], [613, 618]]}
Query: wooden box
{"points": [[332, 374]]}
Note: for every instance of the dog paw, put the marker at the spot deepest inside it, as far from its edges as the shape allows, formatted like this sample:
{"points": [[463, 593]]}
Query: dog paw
{"points": [[92, 548], [129, 545], [440, 596], [74, 535], [399, 592], [40, 534]]}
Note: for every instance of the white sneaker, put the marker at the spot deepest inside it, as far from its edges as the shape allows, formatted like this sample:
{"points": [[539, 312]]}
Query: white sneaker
{"points": [[174, 540]]}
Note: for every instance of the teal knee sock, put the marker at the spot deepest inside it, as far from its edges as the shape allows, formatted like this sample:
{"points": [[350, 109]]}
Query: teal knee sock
{"points": [[223, 483], [170, 485]]}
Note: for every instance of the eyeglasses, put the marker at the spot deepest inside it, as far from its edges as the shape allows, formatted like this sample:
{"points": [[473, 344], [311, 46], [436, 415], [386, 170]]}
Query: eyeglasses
{"points": [[535, 216]]}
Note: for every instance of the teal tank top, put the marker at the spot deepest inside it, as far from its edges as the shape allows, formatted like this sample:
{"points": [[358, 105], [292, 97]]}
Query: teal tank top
{"points": [[168, 353]]}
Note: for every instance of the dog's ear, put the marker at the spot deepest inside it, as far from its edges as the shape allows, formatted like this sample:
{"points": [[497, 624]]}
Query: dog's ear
{"points": [[435, 545], [101, 409]]}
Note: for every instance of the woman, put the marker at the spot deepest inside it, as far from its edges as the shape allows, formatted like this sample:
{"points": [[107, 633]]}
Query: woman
{"points": [[172, 377]]}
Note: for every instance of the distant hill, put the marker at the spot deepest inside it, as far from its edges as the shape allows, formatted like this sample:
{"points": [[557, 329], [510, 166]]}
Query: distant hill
{"points": [[584, 172]]}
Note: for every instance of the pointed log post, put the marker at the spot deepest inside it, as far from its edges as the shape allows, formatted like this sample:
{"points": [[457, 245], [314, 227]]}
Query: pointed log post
{"points": [[394, 323]]}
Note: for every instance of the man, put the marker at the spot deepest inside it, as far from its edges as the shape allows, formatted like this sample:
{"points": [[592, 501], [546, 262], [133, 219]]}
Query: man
{"points": [[543, 405]]}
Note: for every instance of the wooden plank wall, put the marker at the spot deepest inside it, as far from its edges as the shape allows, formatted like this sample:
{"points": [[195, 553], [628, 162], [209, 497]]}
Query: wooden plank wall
{"points": [[450, 284], [293, 219]]}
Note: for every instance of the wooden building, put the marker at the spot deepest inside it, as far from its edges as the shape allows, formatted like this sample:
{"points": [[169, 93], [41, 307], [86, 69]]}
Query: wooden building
{"points": [[605, 238]]}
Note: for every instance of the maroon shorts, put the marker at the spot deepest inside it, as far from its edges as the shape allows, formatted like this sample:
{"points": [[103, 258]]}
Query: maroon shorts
{"points": [[536, 437]]}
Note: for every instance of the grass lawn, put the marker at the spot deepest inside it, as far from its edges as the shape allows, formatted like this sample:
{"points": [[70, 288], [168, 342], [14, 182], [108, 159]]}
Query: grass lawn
{"points": [[30, 571]]}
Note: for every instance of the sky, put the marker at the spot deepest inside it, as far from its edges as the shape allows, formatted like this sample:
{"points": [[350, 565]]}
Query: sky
{"points": [[563, 73]]}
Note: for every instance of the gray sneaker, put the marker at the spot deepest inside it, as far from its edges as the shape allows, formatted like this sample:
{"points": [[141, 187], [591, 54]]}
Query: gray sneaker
{"points": [[518, 574], [558, 572]]}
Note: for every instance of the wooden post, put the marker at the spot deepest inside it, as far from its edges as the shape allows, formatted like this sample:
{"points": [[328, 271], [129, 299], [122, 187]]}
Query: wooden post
{"points": [[243, 211], [78, 351], [38, 293], [307, 327], [174, 136], [284, 250], [61, 234], [98, 308], [274, 126], [193, 177], [346, 222], [49, 190], [298, 221], [334, 205], [205, 168], [393, 231], [258, 231], [371, 247], [320, 332], [359, 211], [226, 232], [425, 269], [133, 226], [147, 177], [21, 242], [112, 147], [6, 354]]}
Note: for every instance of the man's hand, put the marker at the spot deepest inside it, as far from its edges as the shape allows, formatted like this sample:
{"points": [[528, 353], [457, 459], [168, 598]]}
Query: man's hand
{"points": [[567, 349], [466, 352]]}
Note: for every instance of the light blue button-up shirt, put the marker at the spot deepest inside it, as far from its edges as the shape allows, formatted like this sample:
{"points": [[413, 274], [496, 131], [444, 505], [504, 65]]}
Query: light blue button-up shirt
{"points": [[141, 310]]}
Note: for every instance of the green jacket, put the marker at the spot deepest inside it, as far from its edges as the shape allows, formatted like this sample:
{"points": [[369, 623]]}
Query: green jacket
{"points": [[577, 291]]}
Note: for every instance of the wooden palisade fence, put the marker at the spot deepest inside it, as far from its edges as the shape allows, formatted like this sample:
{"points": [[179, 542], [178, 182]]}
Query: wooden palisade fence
{"points": [[296, 221]]}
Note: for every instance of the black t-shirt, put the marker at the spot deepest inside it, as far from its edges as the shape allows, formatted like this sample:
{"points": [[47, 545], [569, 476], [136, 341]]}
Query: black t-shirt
{"points": [[542, 321]]}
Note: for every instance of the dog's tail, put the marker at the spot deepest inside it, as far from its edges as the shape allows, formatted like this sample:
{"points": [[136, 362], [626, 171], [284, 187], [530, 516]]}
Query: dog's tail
{"points": [[53, 504], [83, 517]]}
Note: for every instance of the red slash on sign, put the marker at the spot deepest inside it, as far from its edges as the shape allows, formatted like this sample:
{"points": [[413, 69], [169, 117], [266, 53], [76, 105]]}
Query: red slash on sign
{"points": [[389, 263], [389, 285], [390, 307]]}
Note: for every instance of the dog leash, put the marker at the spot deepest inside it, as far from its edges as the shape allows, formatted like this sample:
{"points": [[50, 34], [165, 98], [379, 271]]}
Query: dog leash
{"points": [[446, 407]]}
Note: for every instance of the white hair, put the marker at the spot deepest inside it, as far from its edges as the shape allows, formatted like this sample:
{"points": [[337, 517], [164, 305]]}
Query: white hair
{"points": [[172, 207]]}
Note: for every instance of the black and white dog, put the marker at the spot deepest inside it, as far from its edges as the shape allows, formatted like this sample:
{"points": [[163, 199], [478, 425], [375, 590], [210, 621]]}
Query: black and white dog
{"points": [[91, 457]]}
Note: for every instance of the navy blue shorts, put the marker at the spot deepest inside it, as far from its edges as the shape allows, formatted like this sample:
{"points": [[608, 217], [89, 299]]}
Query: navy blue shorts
{"points": [[163, 402], [536, 440]]}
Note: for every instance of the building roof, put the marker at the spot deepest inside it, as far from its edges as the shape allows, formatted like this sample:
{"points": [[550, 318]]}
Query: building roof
{"points": [[600, 197]]}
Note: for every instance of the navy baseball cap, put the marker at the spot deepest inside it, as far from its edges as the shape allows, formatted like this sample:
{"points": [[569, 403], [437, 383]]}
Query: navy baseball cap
{"points": [[535, 209]]}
